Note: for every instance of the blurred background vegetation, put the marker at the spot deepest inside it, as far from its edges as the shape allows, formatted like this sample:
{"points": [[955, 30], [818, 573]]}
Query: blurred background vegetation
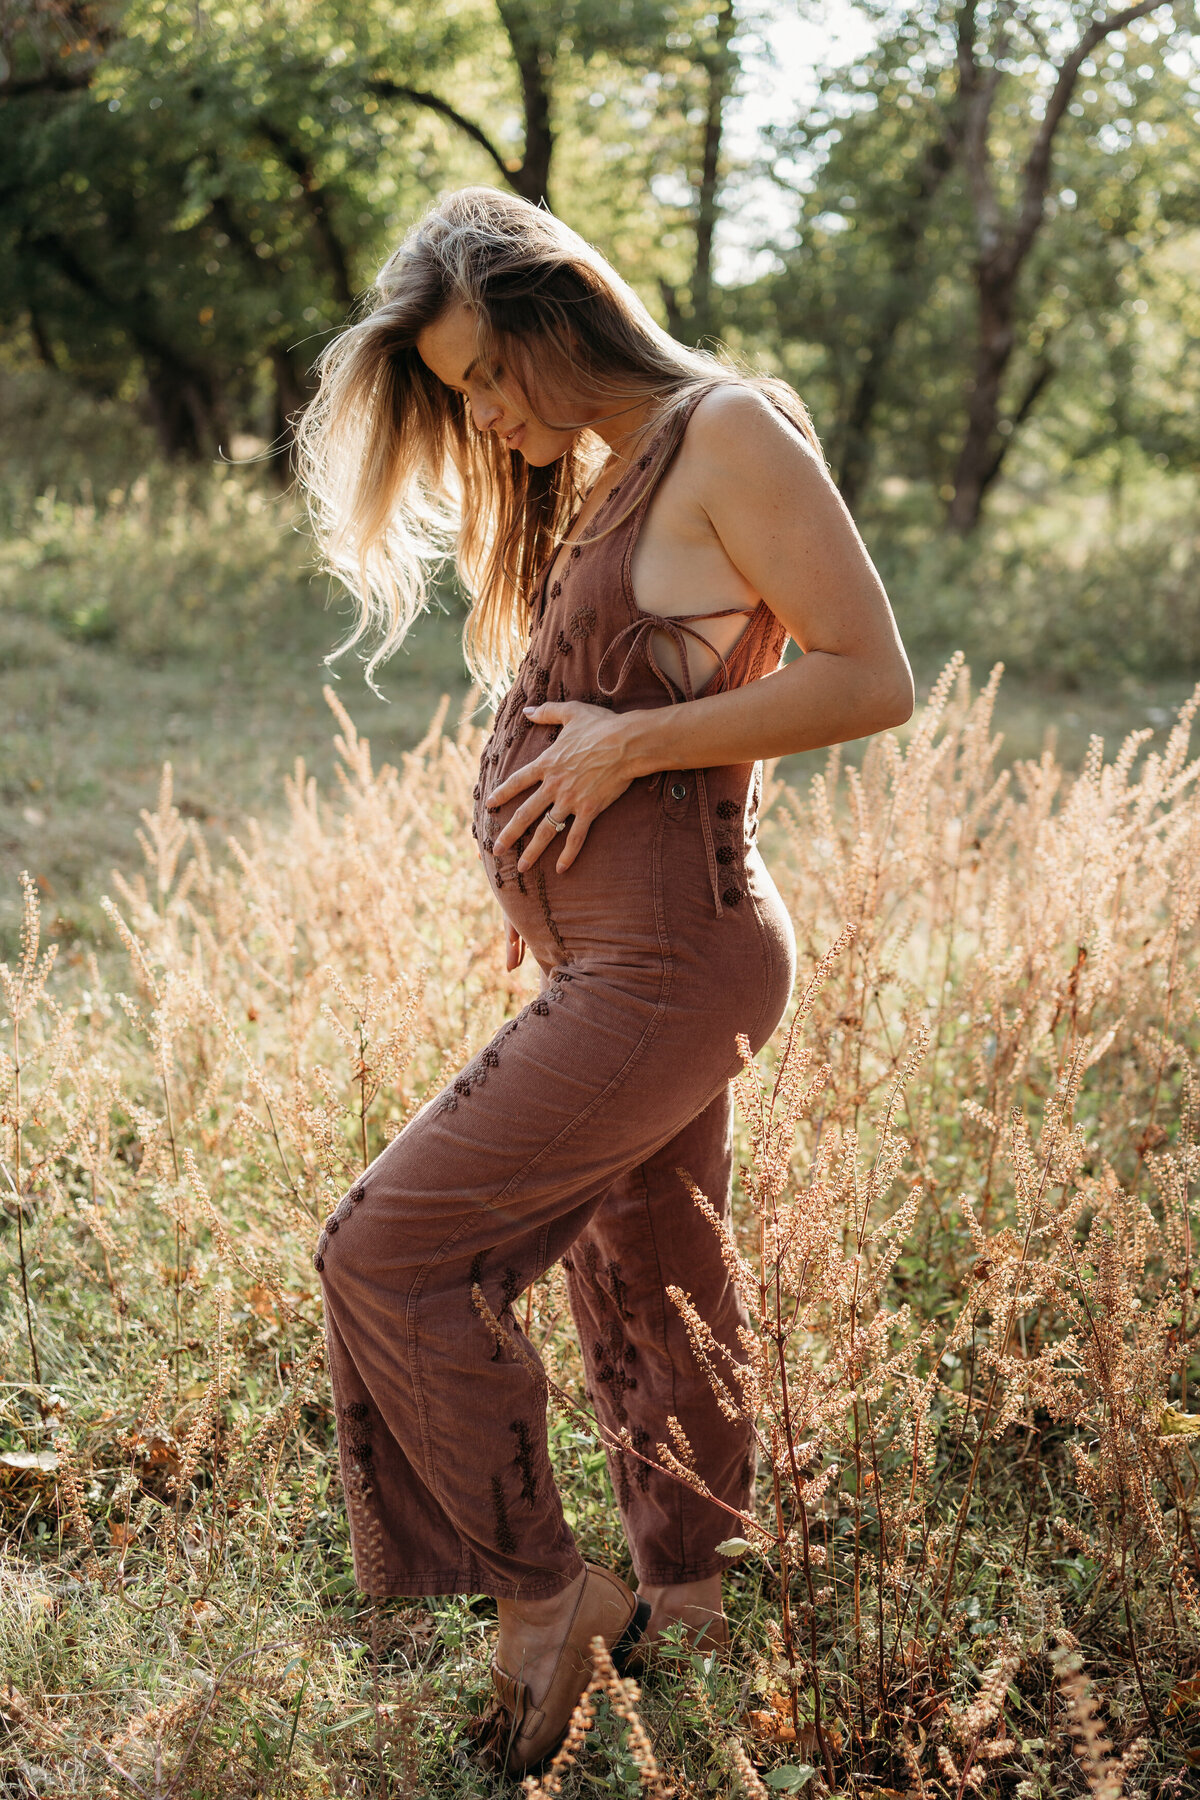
{"points": [[967, 233]]}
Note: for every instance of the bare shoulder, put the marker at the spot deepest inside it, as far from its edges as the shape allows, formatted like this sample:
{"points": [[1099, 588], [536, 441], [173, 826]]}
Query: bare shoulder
{"points": [[737, 434]]}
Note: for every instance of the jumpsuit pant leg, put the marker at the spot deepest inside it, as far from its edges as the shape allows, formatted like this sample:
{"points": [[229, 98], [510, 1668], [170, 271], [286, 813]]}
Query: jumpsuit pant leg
{"points": [[647, 1235], [560, 1138]]}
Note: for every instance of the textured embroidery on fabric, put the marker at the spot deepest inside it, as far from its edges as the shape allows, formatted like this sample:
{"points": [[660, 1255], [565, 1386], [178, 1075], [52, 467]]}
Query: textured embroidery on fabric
{"points": [[641, 1470], [506, 1541], [582, 623], [524, 1460], [473, 1076], [338, 1216], [614, 1295], [611, 1354], [551, 927], [641, 1443], [356, 1435], [728, 809], [510, 1287]]}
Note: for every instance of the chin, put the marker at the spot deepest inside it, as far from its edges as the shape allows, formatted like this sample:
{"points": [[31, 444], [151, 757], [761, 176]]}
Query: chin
{"points": [[546, 448]]}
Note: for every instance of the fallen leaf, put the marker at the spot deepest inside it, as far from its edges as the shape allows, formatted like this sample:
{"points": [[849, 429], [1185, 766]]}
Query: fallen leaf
{"points": [[770, 1725], [810, 1744], [1184, 1693], [790, 1779], [121, 1535], [30, 1459], [261, 1301], [157, 1452]]}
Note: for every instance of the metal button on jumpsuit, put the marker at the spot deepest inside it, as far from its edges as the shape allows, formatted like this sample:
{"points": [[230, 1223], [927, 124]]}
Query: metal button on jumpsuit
{"points": [[561, 1140]]}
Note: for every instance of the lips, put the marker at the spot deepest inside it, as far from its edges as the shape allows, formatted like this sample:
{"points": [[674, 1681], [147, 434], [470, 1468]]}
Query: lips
{"points": [[511, 439]]}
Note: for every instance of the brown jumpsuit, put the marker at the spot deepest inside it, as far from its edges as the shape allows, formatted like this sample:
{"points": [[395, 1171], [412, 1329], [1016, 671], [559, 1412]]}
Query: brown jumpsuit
{"points": [[560, 1141]]}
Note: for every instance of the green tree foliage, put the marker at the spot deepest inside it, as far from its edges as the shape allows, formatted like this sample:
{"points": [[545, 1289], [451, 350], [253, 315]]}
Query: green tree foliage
{"points": [[975, 198], [192, 196]]}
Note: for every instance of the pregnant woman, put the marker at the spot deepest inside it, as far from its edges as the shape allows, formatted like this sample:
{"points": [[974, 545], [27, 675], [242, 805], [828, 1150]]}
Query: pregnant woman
{"points": [[640, 528]]}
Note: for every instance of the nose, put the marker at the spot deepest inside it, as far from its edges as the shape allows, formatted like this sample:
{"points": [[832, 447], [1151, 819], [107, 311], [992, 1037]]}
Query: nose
{"points": [[485, 413]]}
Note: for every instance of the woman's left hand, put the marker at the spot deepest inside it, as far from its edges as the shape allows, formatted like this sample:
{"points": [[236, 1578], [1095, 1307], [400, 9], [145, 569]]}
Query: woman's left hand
{"points": [[584, 770]]}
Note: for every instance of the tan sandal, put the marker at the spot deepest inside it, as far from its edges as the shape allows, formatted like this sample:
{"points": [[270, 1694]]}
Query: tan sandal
{"points": [[605, 1608]]}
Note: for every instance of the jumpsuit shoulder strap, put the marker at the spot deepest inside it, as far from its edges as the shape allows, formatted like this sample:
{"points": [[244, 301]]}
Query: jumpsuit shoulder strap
{"points": [[673, 429]]}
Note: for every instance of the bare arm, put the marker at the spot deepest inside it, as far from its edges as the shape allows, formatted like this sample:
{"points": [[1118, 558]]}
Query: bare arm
{"points": [[784, 526]]}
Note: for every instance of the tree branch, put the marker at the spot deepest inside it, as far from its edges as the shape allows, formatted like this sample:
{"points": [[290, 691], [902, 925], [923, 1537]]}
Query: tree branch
{"points": [[294, 158], [395, 90], [977, 94], [1037, 164], [1043, 374], [47, 81]]}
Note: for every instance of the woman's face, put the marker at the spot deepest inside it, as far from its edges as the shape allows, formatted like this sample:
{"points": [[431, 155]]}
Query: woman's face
{"points": [[498, 402]]}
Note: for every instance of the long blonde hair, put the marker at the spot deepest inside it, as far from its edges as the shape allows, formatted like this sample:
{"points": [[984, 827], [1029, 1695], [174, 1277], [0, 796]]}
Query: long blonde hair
{"points": [[396, 475]]}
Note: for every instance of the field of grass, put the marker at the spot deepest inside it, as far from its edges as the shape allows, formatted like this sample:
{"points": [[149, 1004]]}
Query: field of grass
{"points": [[970, 1159], [185, 623]]}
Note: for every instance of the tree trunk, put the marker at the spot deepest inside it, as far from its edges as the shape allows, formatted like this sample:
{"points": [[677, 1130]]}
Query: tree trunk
{"points": [[41, 342], [857, 447], [1005, 244], [669, 295], [185, 410], [978, 461], [529, 25], [535, 64], [183, 397], [718, 64]]}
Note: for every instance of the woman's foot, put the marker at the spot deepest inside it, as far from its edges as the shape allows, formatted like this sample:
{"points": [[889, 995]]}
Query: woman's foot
{"points": [[531, 1633], [696, 1605], [543, 1658]]}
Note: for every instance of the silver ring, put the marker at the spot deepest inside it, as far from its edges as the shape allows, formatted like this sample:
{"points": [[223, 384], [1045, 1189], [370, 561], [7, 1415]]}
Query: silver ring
{"points": [[558, 824]]}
